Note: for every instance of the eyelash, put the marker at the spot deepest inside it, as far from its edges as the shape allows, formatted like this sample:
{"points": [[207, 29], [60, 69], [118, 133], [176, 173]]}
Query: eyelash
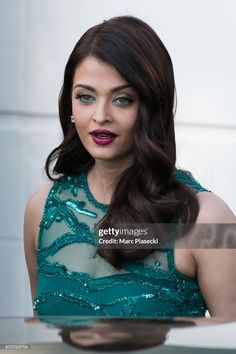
{"points": [[90, 99]]}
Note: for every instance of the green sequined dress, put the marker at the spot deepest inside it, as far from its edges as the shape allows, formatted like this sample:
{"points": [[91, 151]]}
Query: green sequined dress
{"points": [[74, 280]]}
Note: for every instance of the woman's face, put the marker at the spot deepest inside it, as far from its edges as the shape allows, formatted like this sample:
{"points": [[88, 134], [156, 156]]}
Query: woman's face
{"points": [[105, 109]]}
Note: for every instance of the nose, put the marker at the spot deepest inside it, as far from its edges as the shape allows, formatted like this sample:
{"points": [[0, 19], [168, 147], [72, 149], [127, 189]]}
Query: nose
{"points": [[102, 113]]}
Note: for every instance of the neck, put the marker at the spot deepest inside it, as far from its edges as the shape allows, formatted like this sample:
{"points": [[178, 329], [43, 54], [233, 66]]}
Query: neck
{"points": [[102, 179]]}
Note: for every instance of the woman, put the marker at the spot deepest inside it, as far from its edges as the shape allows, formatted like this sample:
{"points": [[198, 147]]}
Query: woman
{"points": [[116, 164]]}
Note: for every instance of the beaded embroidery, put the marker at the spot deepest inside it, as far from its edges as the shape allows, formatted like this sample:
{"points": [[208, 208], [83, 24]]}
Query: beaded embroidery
{"points": [[74, 280]]}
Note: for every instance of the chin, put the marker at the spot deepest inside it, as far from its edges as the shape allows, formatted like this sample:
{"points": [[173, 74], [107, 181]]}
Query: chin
{"points": [[102, 157]]}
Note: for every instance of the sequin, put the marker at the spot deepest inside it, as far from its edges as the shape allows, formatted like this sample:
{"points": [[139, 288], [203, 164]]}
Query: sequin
{"points": [[58, 218], [82, 180], [138, 290], [78, 207]]}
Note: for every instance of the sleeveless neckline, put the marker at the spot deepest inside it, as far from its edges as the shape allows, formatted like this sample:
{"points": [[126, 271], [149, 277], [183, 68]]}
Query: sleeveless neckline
{"points": [[74, 280], [181, 175], [90, 195]]}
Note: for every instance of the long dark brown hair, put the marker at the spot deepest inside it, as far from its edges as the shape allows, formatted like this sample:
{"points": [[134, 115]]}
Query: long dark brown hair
{"points": [[147, 192]]}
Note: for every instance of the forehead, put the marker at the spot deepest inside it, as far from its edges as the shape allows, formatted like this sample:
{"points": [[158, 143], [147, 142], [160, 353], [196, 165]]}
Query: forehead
{"points": [[92, 70]]}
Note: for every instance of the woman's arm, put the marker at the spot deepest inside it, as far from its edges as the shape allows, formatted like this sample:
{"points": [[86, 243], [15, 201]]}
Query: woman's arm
{"points": [[33, 215], [216, 268]]}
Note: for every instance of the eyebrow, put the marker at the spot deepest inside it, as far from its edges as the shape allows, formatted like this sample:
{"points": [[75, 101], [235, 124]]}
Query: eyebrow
{"points": [[114, 89]]}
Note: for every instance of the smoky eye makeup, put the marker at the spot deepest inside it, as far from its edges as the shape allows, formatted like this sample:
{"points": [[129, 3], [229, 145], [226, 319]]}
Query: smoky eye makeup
{"points": [[85, 98], [123, 101], [121, 98]]}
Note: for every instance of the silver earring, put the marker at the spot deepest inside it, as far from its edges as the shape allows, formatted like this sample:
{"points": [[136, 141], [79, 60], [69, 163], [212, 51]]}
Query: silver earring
{"points": [[72, 119]]}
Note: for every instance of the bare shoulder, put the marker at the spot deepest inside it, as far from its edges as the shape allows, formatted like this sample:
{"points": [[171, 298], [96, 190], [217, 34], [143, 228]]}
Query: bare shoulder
{"points": [[218, 287], [34, 212], [216, 266], [36, 202], [39, 196], [212, 209]]}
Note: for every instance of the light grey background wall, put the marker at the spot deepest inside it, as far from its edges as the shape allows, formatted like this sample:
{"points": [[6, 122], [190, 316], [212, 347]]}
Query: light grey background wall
{"points": [[37, 37]]}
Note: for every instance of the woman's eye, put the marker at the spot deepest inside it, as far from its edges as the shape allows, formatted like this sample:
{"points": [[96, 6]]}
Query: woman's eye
{"points": [[123, 101], [85, 98]]}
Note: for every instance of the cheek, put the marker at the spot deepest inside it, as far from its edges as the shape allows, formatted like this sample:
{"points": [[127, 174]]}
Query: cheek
{"points": [[130, 123], [82, 119], [81, 130], [80, 111], [134, 116], [81, 126]]}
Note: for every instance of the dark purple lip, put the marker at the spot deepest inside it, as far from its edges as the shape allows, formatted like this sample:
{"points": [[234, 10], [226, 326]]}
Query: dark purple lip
{"points": [[102, 131]]}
